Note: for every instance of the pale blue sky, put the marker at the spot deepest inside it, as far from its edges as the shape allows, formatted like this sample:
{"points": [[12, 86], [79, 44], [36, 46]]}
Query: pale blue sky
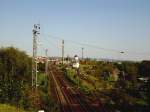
{"points": [[123, 25]]}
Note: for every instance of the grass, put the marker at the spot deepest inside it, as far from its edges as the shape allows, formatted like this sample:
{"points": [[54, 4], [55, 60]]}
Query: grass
{"points": [[45, 94], [71, 76], [84, 86], [9, 108], [41, 78], [90, 83], [98, 83]]}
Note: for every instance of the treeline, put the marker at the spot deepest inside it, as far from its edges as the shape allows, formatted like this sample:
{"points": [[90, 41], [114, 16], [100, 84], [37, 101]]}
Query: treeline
{"points": [[131, 93], [16, 82], [144, 68], [131, 90], [15, 76], [133, 71]]}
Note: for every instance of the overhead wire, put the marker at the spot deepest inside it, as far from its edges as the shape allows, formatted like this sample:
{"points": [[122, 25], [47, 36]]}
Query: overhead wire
{"points": [[100, 48]]}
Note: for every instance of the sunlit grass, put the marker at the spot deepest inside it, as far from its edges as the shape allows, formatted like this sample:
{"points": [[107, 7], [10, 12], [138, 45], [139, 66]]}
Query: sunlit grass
{"points": [[9, 108]]}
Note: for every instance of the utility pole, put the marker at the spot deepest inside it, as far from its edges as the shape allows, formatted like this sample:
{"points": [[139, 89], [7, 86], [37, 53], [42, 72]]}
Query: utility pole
{"points": [[82, 53], [36, 30], [62, 51], [46, 63]]}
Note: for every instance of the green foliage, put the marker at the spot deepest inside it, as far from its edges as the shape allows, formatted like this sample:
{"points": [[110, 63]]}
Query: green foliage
{"points": [[131, 71], [124, 95], [43, 82], [47, 103], [144, 68], [8, 108], [71, 76], [24, 102], [85, 89], [15, 73], [122, 101], [148, 92], [41, 67]]}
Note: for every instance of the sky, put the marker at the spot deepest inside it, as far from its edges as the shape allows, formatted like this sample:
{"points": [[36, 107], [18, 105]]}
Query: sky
{"points": [[107, 26]]}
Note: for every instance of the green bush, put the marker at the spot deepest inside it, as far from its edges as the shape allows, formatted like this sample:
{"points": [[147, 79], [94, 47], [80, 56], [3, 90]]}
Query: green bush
{"points": [[15, 72]]}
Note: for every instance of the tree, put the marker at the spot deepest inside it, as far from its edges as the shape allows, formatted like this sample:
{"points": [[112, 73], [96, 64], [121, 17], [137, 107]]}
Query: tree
{"points": [[144, 68], [132, 71], [15, 72]]}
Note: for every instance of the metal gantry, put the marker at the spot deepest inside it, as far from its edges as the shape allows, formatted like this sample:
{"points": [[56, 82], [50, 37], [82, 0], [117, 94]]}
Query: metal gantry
{"points": [[36, 32]]}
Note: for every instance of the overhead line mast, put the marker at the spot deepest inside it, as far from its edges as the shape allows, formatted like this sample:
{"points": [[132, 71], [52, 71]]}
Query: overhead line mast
{"points": [[36, 32], [62, 51], [46, 62], [82, 53]]}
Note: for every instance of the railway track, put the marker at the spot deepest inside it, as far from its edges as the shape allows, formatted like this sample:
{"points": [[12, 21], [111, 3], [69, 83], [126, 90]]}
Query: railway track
{"points": [[69, 99]]}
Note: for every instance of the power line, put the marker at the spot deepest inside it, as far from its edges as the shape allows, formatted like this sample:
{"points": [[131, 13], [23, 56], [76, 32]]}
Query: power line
{"points": [[49, 42], [83, 44], [100, 48]]}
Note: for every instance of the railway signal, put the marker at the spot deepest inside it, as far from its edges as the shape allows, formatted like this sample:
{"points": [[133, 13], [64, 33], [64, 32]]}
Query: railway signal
{"points": [[76, 66], [76, 62]]}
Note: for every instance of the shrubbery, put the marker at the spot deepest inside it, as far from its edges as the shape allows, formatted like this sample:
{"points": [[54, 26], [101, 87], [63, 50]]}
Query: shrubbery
{"points": [[15, 81], [15, 74]]}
